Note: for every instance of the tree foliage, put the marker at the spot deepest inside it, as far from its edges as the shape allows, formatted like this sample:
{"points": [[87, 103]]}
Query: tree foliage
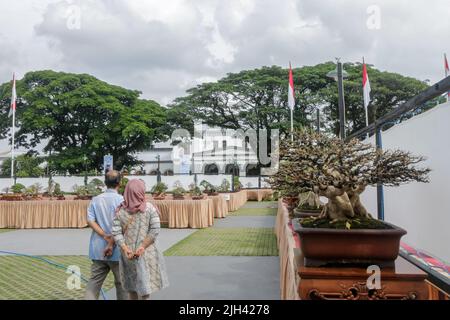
{"points": [[77, 115], [257, 99], [27, 165]]}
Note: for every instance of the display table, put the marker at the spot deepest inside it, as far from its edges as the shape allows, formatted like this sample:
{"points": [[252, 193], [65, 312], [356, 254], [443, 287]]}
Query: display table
{"points": [[220, 206], [402, 282], [41, 214], [258, 194], [186, 213], [297, 281], [237, 200]]}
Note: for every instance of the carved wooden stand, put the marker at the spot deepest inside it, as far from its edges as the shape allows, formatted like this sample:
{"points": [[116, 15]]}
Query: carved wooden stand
{"points": [[403, 282]]}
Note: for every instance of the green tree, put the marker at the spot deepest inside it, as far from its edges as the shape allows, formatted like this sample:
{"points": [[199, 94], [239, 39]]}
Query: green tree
{"points": [[77, 115], [257, 99], [27, 165]]}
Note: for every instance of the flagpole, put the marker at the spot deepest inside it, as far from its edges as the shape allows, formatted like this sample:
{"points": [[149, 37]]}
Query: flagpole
{"points": [[446, 74], [13, 131], [292, 125]]}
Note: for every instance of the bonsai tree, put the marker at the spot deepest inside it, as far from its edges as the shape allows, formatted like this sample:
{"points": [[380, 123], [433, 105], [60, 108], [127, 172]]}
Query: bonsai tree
{"points": [[123, 184], [208, 187], [18, 188], [341, 171], [178, 191], [159, 189], [195, 191], [237, 184], [309, 201], [225, 186], [97, 183], [57, 190]]}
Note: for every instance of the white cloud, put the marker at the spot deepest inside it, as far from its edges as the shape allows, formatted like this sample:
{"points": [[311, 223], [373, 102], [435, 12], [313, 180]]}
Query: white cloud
{"points": [[164, 47]]}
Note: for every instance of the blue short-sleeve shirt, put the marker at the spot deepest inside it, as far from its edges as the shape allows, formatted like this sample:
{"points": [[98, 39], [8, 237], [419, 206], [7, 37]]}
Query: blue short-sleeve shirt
{"points": [[102, 210]]}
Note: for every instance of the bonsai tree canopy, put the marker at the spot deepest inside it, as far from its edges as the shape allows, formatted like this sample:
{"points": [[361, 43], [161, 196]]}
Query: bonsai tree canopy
{"points": [[341, 171]]}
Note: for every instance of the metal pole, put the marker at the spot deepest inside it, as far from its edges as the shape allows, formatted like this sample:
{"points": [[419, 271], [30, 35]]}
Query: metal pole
{"points": [[318, 120], [292, 125], [158, 178], [380, 191], [13, 129], [341, 101]]}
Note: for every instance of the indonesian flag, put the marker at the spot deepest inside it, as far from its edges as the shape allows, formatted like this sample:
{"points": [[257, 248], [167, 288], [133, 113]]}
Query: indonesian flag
{"points": [[291, 94], [13, 97], [366, 87], [447, 71]]}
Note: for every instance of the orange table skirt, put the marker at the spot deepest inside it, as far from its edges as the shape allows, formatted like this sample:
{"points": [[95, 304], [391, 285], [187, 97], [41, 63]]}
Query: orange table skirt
{"points": [[286, 246], [43, 214], [186, 213], [220, 206], [237, 200], [258, 194]]}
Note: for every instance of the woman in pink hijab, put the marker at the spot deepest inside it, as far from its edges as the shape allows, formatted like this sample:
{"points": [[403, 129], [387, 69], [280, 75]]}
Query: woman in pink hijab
{"points": [[135, 229]]}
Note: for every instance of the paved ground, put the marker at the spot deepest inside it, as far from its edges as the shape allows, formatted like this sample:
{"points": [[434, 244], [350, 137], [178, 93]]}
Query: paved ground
{"points": [[224, 277], [220, 278]]}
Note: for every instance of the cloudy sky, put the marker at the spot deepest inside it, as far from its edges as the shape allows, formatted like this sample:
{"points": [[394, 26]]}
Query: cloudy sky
{"points": [[165, 47]]}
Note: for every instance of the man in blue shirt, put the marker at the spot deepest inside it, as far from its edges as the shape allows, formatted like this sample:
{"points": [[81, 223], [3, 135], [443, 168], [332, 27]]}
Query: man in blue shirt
{"points": [[102, 251]]}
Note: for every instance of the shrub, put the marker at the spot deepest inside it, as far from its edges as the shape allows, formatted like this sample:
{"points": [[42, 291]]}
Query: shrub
{"points": [[18, 188]]}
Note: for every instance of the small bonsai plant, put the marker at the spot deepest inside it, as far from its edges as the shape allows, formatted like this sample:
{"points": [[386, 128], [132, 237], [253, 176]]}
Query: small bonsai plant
{"points": [[196, 192], [178, 191], [57, 192], [159, 190], [97, 183], [237, 184], [123, 184], [309, 204], [18, 188], [208, 188], [33, 191], [225, 186]]}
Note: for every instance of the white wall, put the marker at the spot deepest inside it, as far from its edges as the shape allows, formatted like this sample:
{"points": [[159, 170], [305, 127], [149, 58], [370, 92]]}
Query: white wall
{"points": [[422, 209]]}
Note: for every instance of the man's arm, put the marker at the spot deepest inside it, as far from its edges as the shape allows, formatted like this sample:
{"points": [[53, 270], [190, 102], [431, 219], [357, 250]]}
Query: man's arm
{"points": [[91, 219]]}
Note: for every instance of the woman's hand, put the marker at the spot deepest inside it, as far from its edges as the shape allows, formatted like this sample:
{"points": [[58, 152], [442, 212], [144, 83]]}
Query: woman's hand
{"points": [[127, 252], [139, 252]]}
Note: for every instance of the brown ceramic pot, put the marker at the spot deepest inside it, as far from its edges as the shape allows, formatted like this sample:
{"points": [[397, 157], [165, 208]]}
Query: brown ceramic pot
{"points": [[322, 246]]}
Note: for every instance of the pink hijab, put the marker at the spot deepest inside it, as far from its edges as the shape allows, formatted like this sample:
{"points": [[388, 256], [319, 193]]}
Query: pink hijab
{"points": [[134, 197]]}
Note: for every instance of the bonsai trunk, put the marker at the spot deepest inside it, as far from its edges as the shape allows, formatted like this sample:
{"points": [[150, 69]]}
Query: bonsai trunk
{"points": [[343, 204]]}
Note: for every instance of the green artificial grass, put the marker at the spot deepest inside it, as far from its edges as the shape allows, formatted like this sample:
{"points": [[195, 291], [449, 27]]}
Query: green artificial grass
{"points": [[6, 230], [255, 212], [227, 242], [23, 278]]}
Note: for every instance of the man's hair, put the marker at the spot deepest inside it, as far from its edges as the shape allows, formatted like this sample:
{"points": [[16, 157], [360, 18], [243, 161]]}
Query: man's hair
{"points": [[112, 179]]}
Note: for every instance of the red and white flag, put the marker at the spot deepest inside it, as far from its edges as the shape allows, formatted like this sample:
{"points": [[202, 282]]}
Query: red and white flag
{"points": [[366, 91], [447, 72], [13, 97], [291, 92]]}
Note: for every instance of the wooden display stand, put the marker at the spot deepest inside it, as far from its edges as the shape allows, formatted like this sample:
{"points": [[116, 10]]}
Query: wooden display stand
{"points": [[403, 282]]}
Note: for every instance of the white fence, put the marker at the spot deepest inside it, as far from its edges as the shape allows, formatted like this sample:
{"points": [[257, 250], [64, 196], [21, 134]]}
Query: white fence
{"points": [[422, 209]]}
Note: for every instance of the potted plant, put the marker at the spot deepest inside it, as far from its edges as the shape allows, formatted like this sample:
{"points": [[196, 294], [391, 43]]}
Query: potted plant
{"points": [[178, 191], [309, 204], [87, 192], [159, 191], [237, 184], [17, 193], [32, 192], [344, 232], [225, 186], [208, 188], [196, 192], [123, 184], [58, 193]]}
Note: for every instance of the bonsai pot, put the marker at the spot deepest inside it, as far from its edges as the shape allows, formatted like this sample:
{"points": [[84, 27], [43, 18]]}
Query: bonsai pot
{"points": [[306, 213], [321, 246], [158, 196], [12, 197], [212, 193], [83, 198], [198, 197], [61, 198], [178, 197]]}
